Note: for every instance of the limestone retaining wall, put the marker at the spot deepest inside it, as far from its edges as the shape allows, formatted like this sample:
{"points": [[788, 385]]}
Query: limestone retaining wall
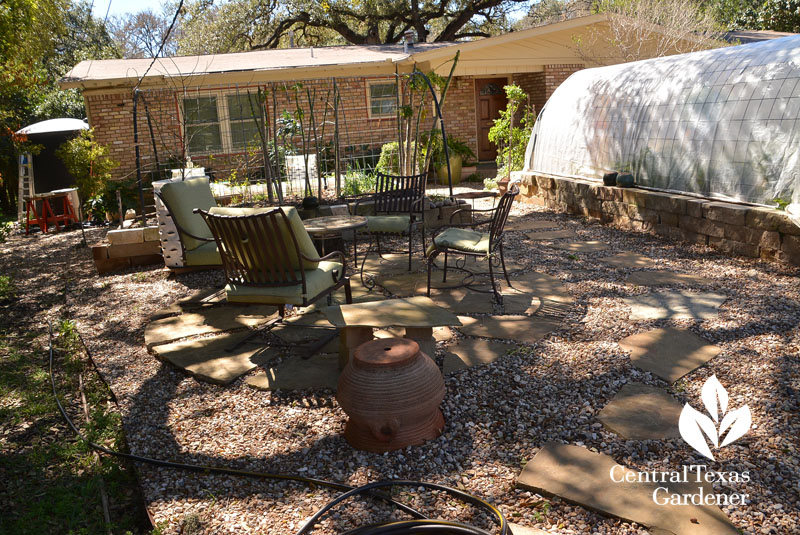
{"points": [[732, 228]]}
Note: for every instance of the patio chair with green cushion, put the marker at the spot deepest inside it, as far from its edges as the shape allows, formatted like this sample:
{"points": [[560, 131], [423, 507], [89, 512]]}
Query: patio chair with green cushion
{"points": [[269, 258], [465, 240], [198, 248], [397, 207]]}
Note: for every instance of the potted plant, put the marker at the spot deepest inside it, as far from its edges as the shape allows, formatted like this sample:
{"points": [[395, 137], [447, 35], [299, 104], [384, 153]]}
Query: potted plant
{"points": [[458, 152]]}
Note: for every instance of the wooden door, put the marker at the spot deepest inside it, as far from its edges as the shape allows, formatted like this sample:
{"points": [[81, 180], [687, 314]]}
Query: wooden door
{"points": [[490, 99]]}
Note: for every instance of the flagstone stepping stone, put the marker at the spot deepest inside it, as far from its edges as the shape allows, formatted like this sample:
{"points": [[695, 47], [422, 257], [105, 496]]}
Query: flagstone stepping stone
{"points": [[551, 235], [664, 278], [629, 260], [392, 263], [520, 303], [205, 321], [581, 476], [669, 353], [440, 334], [295, 373], [463, 301], [674, 305], [581, 246], [541, 285], [199, 299], [642, 412], [531, 224], [209, 359], [303, 328], [529, 329], [516, 529], [473, 352]]}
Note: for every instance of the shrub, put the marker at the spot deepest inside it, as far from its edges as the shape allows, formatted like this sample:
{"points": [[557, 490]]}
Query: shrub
{"points": [[358, 182], [512, 142], [89, 164], [389, 161]]}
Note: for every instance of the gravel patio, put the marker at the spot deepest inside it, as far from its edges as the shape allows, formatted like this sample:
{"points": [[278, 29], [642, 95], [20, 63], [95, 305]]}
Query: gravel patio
{"points": [[498, 416]]}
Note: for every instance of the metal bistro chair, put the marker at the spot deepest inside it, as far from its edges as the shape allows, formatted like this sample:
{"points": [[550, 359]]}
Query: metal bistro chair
{"points": [[399, 206], [269, 258], [468, 242]]}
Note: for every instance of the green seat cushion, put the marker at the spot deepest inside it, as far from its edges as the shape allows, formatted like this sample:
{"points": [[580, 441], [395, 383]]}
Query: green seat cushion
{"points": [[182, 198], [317, 281], [394, 224], [461, 239], [205, 255], [304, 242]]}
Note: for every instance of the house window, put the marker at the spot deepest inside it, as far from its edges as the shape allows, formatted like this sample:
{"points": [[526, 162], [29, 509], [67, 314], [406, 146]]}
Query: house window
{"points": [[202, 124], [241, 109], [222, 122], [382, 99]]}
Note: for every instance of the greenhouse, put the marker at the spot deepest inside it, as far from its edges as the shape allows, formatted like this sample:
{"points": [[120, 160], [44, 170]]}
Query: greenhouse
{"points": [[721, 123]]}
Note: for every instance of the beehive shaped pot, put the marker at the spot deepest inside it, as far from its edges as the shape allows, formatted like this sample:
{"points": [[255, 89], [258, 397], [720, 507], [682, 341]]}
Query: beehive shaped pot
{"points": [[391, 391]]}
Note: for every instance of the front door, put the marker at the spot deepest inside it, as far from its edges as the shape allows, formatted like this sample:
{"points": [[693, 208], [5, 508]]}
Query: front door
{"points": [[490, 100]]}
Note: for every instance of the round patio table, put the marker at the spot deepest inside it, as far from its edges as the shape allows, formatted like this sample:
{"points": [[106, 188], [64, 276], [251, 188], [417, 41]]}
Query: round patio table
{"points": [[334, 226]]}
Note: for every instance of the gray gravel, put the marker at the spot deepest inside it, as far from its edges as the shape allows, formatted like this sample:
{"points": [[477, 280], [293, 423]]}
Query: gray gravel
{"points": [[498, 416]]}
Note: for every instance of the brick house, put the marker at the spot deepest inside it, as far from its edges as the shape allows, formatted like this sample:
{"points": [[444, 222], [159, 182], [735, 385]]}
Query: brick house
{"points": [[198, 105]]}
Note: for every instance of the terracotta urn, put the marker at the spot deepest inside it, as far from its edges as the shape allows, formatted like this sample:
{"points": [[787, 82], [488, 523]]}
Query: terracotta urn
{"points": [[391, 391]]}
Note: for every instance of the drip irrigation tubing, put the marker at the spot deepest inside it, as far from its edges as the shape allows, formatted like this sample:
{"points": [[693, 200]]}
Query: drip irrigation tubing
{"points": [[419, 525]]}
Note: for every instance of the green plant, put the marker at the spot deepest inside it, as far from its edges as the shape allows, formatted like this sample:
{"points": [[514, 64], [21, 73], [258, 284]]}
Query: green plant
{"points": [[389, 160], [511, 139], [5, 230], [7, 289], [455, 147], [490, 183], [88, 163], [780, 201], [358, 182]]}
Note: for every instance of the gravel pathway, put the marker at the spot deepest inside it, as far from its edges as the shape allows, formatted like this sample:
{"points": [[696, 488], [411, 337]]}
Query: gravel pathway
{"points": [[498, 416]]}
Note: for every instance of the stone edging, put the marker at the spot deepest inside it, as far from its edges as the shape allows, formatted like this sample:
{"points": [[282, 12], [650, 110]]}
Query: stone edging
{"points": [[732, 228]]}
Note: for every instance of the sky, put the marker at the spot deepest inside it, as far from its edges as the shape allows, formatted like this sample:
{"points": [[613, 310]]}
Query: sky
{"points": [[121, 7]]}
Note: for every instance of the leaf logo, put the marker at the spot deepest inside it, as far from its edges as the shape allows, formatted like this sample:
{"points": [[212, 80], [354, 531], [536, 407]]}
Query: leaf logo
{"points": [[698, 430]]}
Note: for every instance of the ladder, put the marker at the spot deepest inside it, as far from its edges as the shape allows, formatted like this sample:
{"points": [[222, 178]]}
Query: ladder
{"points": [[26, 187]]}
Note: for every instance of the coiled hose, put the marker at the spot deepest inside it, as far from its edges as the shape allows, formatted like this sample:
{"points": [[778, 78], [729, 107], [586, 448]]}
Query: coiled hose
{"points": [[420, 524]]}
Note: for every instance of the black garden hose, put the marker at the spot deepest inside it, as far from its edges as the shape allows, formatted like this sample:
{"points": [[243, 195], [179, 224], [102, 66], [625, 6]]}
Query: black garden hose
{"points": [[419, 525]]}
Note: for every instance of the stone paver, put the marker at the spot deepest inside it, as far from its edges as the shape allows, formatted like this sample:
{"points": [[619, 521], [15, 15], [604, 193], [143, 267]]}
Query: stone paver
{"points": [[578, 475], [408, 284], [463, 301], [209, 359], [520, 303], [319, 371], [581, 246], [664, 278], [642, 412], [543, 286], [551, 234], [529, 329], [669, 353], [674, 305], [393, 263], [629, 260], [295, 330], [199, 299], [205, 321], [516, 529], [468, 353], [527, 224]]}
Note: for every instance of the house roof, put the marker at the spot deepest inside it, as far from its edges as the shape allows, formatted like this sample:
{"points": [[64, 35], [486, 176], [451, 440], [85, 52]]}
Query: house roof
{"points": [[111, 72], [753, 36]]}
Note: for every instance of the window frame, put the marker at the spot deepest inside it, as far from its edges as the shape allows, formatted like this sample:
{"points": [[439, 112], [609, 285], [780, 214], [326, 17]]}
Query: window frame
{"points": [[223, 120], [368, 88]]}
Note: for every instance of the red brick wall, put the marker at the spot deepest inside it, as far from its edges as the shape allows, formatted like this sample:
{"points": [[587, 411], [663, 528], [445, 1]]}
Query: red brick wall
{"points": [[555, 74], [459, 112], [533, 84]]}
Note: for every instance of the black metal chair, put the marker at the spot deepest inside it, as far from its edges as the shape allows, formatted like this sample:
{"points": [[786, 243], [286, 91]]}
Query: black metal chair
{"points": [[398, 205], [463, 240]]}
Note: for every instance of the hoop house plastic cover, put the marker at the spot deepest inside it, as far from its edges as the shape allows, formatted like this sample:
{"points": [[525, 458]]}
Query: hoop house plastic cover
{"points": [[720, 123]]}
